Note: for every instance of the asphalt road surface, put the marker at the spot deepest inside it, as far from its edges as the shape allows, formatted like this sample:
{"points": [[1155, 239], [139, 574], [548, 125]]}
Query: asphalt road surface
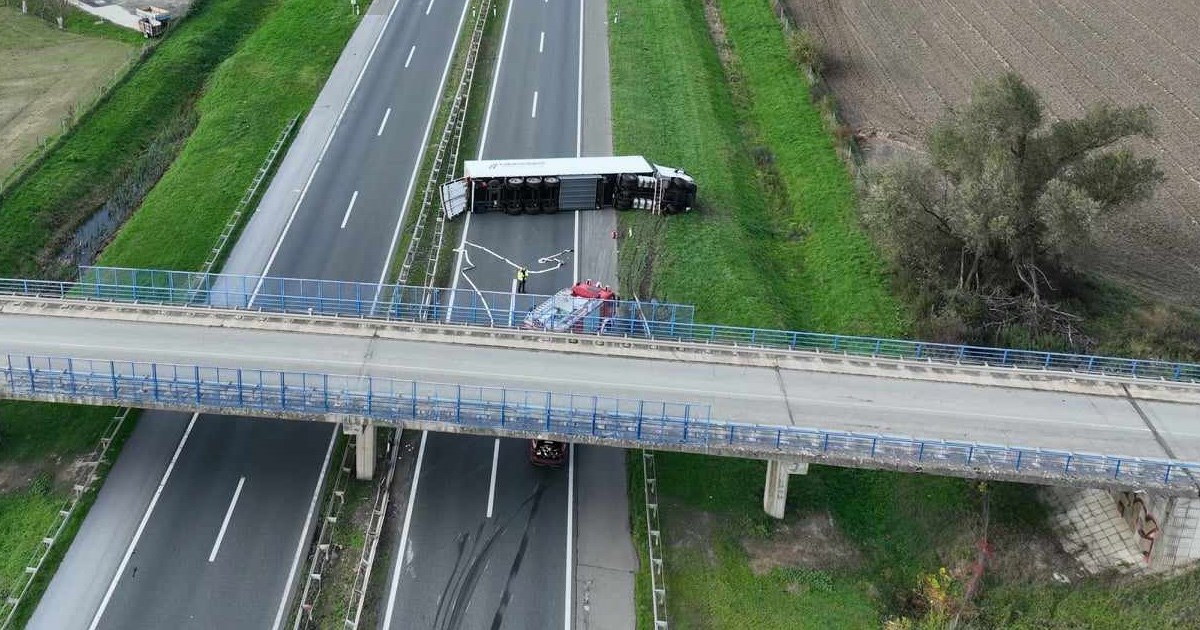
{"points": [[227, 524], [489, 542]]}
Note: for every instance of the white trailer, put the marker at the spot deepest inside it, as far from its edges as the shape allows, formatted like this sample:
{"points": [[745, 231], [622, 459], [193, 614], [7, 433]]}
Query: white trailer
{"points": [[549, 185]]}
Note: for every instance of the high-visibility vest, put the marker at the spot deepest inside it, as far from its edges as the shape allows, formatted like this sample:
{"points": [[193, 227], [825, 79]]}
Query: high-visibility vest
{"points": [[522, 274]]}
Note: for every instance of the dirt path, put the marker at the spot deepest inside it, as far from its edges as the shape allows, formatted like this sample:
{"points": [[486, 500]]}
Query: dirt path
{"points": [[893, 63], [44, 73]]}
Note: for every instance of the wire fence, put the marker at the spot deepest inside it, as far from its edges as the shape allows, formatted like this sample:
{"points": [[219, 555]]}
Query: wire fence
{"points": [[15, 593], [570, 417]]}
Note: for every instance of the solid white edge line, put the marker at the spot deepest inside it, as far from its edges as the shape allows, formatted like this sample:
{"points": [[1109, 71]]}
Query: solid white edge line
{"points": [[492, 483], [567, 608], [302, 545], [321, 156], [408, 60], [137, 535], [487, 121], [383, 123], [412, 180], [533, 112], [349, 208], [212, 556], [408, 512]]}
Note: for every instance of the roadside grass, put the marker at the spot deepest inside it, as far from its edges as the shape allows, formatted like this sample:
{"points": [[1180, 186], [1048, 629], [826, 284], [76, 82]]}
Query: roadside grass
{"points": [[1097, 605], [90, 162], [275, 74], [38, 444], [774, 242], [31, 432], [348, 539], [56, 554]]}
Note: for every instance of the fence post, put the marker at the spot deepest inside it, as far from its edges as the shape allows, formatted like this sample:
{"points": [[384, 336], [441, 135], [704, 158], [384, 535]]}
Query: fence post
{"points": [[29, 366], [283, 391], [503, 405], [71, 370], [595, 412], [1017, 464], [241, 397], [414, 400], [458, 404], [112, 370], [196, 373], [154, 378], [548, 403], [1117, 471]]}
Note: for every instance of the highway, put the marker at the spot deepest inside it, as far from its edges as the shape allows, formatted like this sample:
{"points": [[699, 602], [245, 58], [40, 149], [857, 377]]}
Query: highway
{"points": [[486, 542], [204, 520]]}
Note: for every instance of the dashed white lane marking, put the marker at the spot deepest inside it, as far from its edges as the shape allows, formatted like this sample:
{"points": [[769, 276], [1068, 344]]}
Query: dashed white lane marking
{"points": [[212, 556], [492, 484], [430, 7], [383, 123], [325, 147], [408, 60], [542, 42], [137, 535], [349, 208], [533, 112]]}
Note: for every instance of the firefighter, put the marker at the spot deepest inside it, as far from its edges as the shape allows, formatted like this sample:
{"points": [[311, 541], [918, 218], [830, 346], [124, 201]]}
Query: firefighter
{"points": [[522, 276]]}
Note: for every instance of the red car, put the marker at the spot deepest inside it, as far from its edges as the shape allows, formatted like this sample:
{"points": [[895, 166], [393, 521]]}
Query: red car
{"points": [[547, 453]]}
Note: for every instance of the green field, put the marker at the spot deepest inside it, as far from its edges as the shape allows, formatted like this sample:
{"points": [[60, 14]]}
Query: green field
{"points": [[775, 242], [38, 444], [274, 75]]}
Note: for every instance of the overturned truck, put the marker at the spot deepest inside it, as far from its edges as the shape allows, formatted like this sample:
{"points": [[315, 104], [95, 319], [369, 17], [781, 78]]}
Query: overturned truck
{"points": [[546, 186]]}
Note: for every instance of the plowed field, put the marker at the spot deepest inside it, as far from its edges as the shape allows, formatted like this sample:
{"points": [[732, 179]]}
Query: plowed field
{"points": [[894, 65]]}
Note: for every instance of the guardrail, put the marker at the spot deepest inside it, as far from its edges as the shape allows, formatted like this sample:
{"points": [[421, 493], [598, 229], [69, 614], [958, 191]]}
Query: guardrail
{"points": [[571, 417], [661, 321]]}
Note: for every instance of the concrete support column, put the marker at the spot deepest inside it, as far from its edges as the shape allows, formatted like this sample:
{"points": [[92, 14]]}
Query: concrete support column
{"points": [[364, 446], [776, 487]]}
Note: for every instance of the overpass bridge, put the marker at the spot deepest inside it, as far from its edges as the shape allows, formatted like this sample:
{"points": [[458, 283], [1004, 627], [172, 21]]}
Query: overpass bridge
{"points": [[368, 354]]}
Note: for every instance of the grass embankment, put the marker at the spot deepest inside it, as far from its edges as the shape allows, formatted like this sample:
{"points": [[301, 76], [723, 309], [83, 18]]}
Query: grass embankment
{"points": [[276, 73], [775, 242], [39, 447], [105, 148]]}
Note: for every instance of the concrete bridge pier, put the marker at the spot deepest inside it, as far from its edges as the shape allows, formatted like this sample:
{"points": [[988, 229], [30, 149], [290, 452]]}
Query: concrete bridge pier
{"points": [[364, 446], [776, 487]]}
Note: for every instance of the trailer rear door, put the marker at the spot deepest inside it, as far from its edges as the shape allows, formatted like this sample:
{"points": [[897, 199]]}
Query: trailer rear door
{"points": [[454, 198]]}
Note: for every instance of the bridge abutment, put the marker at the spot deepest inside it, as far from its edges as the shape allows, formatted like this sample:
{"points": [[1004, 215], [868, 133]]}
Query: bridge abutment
{"points": [[364, 446], [776, 487]]}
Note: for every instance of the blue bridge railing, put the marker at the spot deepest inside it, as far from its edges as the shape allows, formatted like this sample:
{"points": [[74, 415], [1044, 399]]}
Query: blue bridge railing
{"points": [[633, 319], [568, 416]]}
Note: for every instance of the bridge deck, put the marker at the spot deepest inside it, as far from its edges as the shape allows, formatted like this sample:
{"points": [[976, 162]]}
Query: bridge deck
{"points": [[749, 394]]}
